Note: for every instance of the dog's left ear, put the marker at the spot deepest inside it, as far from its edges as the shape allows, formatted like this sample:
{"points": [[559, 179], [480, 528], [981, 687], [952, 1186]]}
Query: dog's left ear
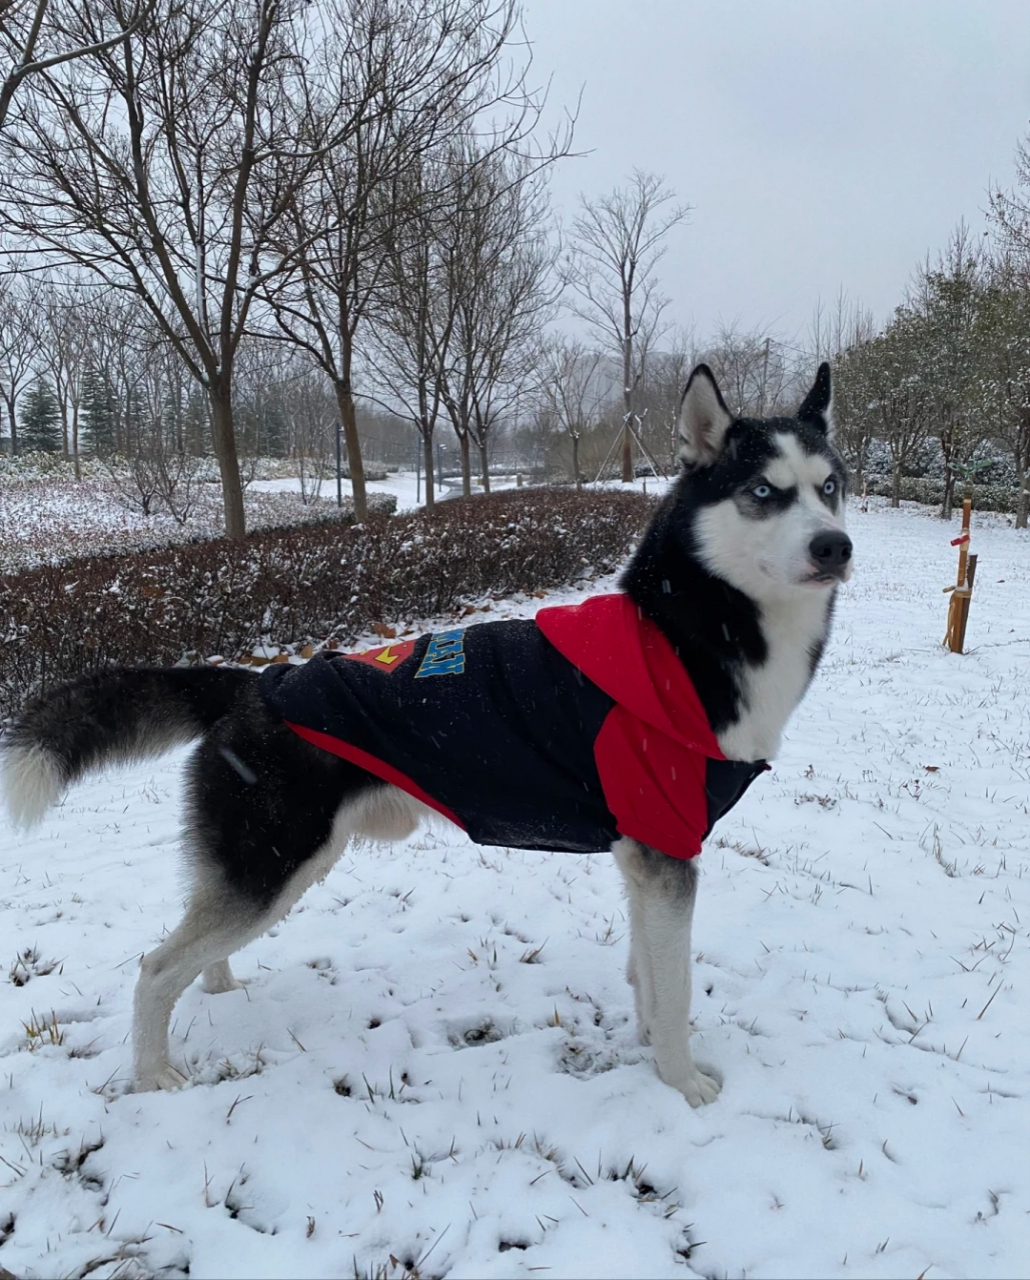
{"points": [[817, 406]]}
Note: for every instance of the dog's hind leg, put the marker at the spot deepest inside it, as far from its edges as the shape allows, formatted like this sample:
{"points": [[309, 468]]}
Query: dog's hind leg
{"points": [[661, 893], [267, 816], [216, 924]]}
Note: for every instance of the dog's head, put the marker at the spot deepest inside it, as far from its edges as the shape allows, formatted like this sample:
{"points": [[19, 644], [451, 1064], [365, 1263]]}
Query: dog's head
{"points": [[767, 495]]}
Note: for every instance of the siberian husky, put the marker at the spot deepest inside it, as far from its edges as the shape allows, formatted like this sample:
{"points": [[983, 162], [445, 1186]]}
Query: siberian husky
{"points": [[733, 582]]}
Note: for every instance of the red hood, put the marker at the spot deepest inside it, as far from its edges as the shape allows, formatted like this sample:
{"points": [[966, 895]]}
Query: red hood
{"points": [[628, 657]]}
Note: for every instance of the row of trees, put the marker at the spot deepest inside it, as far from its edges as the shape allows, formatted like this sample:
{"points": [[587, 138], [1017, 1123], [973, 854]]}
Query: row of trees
{"points": [[358, 180], [944, 387], [83, 373], [234, 221]]}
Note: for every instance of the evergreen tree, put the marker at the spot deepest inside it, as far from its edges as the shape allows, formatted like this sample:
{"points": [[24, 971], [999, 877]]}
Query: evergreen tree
{"points": [[98, 414], [40, 420]]}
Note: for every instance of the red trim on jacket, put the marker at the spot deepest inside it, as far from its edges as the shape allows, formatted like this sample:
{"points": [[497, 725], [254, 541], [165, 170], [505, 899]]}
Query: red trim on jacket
{"points": [[653, 747], [380, 768]]}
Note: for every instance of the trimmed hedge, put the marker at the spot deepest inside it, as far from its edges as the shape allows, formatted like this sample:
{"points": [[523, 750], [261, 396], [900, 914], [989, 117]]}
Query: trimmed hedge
{"points": [[225, 598], [986, 497]]}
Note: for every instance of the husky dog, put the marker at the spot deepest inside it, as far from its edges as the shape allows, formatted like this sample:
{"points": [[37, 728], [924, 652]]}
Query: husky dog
{"points": [[733, 582]]}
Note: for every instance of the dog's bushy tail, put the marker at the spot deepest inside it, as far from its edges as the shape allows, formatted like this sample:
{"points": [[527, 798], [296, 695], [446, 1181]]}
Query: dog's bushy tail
{"points": [[122, 714]]}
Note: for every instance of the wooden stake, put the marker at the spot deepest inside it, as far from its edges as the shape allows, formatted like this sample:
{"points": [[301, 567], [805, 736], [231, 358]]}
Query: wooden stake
{"points": [[958, 605]]}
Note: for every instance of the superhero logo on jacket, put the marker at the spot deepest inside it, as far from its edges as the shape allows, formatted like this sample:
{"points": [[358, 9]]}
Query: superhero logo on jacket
{"points": [[564, 732]]}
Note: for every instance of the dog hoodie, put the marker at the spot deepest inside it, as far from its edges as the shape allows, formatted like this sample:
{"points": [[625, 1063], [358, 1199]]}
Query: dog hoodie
{"points": [[562, 732]]}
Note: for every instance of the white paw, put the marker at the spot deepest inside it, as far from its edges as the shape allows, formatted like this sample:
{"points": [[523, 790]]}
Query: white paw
{"points": [[164, 1077], [698, 1088], [216, 986], [643, 1031], [218, 978]]}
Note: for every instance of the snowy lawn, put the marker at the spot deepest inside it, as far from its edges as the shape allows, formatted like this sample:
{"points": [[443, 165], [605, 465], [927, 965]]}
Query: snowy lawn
{"points": [[434, 1070], [408, 489], [45, 521]]}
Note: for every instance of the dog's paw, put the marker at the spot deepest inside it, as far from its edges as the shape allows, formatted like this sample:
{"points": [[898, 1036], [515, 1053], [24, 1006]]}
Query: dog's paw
{"points": [[165, 1077], [698, 1088], [218, 978]]}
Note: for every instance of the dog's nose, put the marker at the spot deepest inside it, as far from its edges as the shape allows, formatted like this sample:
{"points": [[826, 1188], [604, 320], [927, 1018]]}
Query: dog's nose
{"points": [[830, 550]]}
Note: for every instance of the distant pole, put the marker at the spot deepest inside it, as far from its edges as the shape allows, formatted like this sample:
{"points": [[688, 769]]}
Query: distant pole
{"points": [[418, 470], [339, 468]]}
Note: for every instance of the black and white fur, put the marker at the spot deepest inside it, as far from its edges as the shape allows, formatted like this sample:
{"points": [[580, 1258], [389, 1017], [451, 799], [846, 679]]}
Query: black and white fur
{"points": [[739, 568]]}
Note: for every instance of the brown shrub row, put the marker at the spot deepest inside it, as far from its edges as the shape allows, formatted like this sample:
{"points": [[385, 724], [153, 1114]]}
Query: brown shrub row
{"points": [[290, 585]]}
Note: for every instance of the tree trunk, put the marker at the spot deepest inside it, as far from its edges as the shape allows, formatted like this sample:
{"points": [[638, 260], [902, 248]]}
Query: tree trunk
{"points": [[352, 443], [627, 393], [75, 442], [1022, 499], [14, 427], [65, 442], [466, 464], [427, 462], [484, 465], [575, 462], [896, 485], [1020, 457], [627, 456], [224, 440], [949, 492]]}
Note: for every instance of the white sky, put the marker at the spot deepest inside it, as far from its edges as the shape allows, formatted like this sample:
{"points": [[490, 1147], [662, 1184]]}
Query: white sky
{"points": [[823, 143]]}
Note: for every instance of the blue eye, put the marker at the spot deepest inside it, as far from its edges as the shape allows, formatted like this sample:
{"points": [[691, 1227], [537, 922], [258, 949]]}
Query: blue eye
{"points": [[830, 487], [762, 491]]}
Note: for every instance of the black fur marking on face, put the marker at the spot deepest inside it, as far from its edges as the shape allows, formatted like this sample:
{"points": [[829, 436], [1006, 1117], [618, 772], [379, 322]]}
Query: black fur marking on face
{"points": [[714, 628], [762, 508], [832, 500]]}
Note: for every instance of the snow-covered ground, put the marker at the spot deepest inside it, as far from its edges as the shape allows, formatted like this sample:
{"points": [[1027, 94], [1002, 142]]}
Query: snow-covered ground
{"points": [[434, 1069], [49, 519], [405, 486]]}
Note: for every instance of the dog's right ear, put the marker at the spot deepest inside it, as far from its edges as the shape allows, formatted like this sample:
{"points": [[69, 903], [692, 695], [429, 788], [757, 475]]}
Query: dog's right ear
{"points": [[704, 419]]}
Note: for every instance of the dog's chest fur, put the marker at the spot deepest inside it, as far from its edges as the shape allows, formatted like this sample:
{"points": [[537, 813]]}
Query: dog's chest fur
{"points": [[794, 632]]}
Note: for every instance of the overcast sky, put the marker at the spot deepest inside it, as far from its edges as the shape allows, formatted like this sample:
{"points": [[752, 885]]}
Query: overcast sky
{"points": [[822, 143]]}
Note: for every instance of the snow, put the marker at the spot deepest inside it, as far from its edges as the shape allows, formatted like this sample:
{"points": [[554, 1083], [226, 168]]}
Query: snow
{"points": [[434, 1068], [405, 486], [52, 520]]}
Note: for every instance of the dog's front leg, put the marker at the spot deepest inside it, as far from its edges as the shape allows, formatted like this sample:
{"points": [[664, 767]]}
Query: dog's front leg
{"points": [[661, 892]]}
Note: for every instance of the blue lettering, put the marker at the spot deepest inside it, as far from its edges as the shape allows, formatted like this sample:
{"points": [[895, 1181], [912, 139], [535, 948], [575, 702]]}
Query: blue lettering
{"points": [[445, 655]]}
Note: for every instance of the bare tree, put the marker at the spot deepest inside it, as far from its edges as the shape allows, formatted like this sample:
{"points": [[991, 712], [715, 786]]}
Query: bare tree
{"points": [[573, 390], [416, 73], [25, 26], [165, 163], [18, 344], [413, 330], [837, 333], [617, 241], [64, 327], [497, 266]]}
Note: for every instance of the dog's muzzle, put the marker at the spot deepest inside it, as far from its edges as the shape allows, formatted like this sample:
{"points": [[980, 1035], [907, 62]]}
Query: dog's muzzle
{"points": [[830, 552]]}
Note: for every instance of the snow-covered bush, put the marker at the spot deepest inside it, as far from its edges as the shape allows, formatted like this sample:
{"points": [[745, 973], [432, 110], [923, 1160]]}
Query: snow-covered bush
{"points": [[986, 497], [329, 581]]}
